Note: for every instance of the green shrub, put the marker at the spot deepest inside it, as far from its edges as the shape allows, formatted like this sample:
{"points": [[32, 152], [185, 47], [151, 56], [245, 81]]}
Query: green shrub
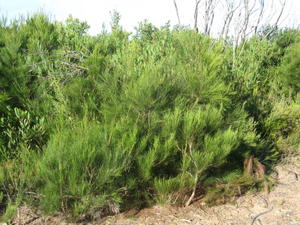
{"points": [[284, 124], [114, 121], [82, 167], [20, 129], [290, 68]]}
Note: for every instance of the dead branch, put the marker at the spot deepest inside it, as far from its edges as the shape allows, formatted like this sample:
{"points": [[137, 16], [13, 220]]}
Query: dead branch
{"points": [[208, 15], [196, 15], [260, 16], [177, 12], [248, 13], [260, 214], [277, 20], [228, 19], [74, 66]]}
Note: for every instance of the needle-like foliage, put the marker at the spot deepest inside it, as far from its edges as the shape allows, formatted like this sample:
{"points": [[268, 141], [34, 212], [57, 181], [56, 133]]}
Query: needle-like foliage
{"points": [[118, 120]]}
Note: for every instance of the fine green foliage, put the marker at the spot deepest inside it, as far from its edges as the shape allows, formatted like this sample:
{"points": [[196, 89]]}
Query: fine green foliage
{"points": [[290, 69], [118, 120]]}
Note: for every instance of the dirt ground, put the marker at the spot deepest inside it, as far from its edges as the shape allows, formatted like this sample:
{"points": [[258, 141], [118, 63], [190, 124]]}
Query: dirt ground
{"points": [[280, 207]]}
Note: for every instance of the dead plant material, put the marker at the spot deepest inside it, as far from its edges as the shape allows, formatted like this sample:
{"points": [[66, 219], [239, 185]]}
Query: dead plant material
{"points": [[260, 214], [248, 165], [296, 174], [256, 169], [260, 171]]}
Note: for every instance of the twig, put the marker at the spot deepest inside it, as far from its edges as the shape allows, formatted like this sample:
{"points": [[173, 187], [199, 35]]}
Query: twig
{"points": [[196, 15], [258, 220], [31, 220], [296, 175], [265, 200], [260, 214], [74, 66]]}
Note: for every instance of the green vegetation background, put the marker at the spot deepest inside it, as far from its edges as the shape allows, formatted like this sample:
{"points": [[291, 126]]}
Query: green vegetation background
{"points": [[120, 120]]}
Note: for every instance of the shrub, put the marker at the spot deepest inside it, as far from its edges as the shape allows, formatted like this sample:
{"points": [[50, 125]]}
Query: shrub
{"points": [[82, 167], [289, 72], [109, 122]]}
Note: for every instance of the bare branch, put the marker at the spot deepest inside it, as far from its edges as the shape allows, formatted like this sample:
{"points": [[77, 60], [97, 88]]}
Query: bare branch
{"points": [[247, 15], [281, 12], [260, 16], [211, 23], [177, 12], [196, 15], [230, 13], [283, 4], [209, 15], [260, 214]]}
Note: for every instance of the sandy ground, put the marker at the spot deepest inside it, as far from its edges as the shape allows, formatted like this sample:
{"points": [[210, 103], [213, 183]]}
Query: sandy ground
{"points": [[280, 207]]}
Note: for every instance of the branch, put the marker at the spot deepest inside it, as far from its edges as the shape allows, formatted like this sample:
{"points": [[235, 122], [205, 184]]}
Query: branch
{"points": [[231, 15], [193, 193], [177, 12], [209, 15], [195, 176], [281, 12], [196, 15], [260, 214], [262, 9], [228, 19], [277, 20]]}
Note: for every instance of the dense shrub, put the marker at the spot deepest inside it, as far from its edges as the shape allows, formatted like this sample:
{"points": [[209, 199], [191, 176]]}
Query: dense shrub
{"points": [[115, 121], [290, 69]]}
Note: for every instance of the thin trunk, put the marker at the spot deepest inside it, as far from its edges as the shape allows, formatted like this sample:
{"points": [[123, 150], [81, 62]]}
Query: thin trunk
{"points": [[193, 193]]}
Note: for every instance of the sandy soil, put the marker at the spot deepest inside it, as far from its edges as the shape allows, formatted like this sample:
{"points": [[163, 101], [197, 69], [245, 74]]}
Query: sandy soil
{"points": [[280, 207]]}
